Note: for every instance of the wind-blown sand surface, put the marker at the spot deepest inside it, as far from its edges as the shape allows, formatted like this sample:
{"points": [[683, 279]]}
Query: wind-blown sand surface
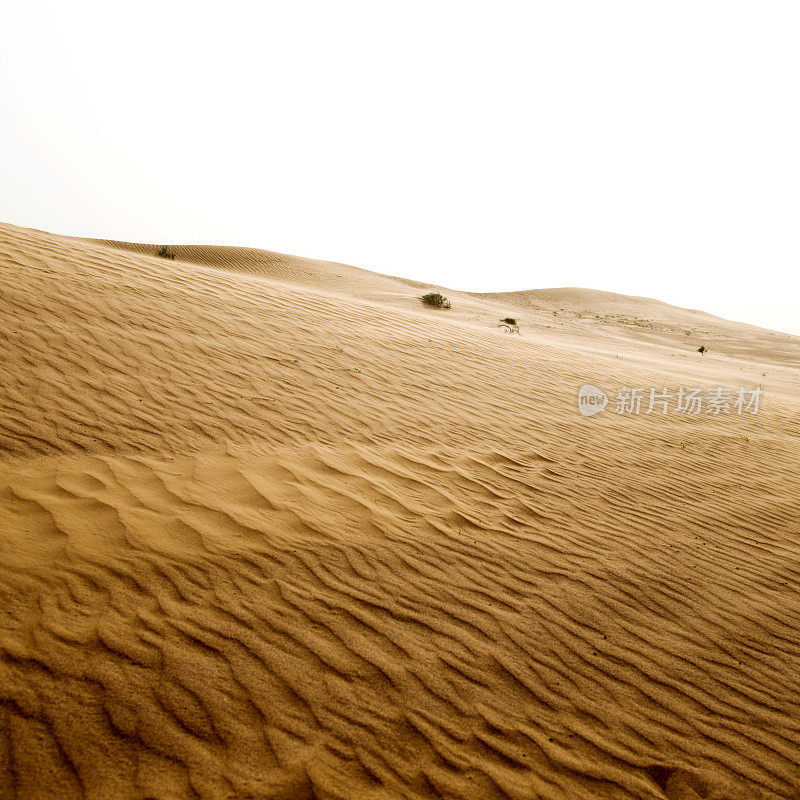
{"points": [[269, 528]]}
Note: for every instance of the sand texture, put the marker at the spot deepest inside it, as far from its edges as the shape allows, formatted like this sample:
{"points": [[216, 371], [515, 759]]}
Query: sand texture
{"points": [[270, 528]]}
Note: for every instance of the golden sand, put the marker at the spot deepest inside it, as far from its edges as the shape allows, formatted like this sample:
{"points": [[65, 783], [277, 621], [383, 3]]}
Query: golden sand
{"points": [[270, 528]]}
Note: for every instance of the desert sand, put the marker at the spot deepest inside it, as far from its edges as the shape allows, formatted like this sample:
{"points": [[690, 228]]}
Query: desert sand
{"points": [[271, 528]]}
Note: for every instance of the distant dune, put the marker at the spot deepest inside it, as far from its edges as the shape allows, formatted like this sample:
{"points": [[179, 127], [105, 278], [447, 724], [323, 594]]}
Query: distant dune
{"points": [[271, 528]]}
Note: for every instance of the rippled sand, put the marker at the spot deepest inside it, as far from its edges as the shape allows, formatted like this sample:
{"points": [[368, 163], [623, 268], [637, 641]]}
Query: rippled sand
{"points": [[271, 529]]}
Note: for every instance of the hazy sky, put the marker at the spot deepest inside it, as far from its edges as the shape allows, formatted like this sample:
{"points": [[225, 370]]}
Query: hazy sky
{"points": [[643, 147]]}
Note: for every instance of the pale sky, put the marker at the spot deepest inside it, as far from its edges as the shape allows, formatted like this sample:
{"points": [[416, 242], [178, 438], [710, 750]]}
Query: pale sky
{"points": [[649, 148]]}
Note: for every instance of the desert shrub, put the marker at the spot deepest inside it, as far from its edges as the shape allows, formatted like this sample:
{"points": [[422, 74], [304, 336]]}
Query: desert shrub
{"points": [[702, 349], [165, 252], [509, 320], [436, 300]]}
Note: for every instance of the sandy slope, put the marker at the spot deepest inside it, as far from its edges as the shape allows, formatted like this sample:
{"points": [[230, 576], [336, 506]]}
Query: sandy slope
{"points": [[270, 529]]}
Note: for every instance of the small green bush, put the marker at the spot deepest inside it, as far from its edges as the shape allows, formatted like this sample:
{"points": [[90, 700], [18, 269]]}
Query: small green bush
{"points": [[509, 320], [702, 349], [165, 252], [435, 299]]}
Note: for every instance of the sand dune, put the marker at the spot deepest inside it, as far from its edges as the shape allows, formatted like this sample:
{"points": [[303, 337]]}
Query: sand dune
{"points": [[269, 528]]}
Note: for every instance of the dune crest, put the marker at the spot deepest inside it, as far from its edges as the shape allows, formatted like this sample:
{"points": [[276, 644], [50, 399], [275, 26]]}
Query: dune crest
{"points": [[269, 528]]}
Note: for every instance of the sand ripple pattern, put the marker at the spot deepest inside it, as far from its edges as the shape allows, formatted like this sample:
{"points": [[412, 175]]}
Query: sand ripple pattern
{"points": [[247, 552], [355, 624]]}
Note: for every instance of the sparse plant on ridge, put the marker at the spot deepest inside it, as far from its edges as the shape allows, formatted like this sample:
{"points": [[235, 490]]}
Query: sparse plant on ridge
{"points": [[165, 252], [436, 300], [509, 325]]}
